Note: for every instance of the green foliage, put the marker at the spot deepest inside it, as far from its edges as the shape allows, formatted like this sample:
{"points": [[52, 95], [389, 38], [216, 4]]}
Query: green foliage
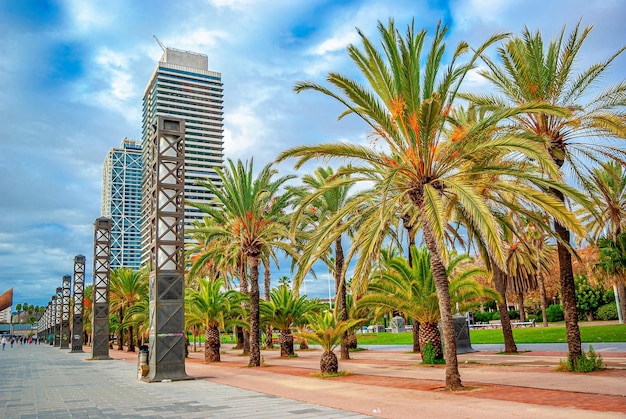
{"points": [[588, 298], [586, 363], [482, 316], [496, 316], [514, 314], [429, 357], [609, 296], [555, 313], [607, 312]]}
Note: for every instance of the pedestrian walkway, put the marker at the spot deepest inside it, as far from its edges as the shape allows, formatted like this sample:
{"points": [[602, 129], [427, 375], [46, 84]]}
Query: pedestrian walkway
{"points": [[45, 382], [42, 381]]}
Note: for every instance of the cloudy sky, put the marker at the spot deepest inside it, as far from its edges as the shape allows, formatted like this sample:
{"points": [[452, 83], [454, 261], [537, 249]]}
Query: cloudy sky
{"points": [[72, 76]]}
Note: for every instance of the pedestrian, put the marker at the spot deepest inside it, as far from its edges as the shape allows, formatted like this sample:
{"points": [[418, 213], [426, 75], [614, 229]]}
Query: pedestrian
{"points": [[4, 342], [12, 340]]}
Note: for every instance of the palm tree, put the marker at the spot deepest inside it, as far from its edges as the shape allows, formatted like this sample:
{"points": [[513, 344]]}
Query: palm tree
{"points": [[138, 317], [326, 330], [320, 201], [286, 311], [607, 186], [127, 288], [532, 73], [410, 288], [419, 164], [214, 308], [250, 221], [613, 262]]}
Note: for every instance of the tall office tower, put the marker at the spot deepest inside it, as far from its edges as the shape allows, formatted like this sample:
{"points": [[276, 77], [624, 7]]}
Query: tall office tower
{"points": [[183, 87], [121, 202]]}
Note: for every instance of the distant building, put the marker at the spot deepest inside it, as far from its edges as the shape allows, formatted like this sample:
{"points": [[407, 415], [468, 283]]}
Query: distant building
{"points": [[6, 302], [183, 87], [121, 202]]}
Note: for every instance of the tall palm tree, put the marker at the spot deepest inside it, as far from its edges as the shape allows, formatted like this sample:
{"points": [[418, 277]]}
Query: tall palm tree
{"points": [[286, 311], [410, 288], [530, 71], [127, 288], [408, 106], [215, 308], [251, 219], [319, 201]]}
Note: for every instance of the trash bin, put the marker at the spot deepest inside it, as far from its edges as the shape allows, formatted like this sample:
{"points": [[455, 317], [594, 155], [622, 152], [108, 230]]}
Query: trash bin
{"points": [[142, 361]]}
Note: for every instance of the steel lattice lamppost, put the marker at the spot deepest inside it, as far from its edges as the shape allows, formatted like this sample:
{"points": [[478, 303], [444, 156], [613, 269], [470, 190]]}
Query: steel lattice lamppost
{"points": [[77, 315], [100, 300], [163, 191], [65, 313], [50, 329]]}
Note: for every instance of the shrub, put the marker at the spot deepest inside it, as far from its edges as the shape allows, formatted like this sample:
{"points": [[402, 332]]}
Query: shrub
{"points": [[514, 314], [429, 357], [607, 312], [585, 363], [496, 316], [482, 317], [555, 313]]}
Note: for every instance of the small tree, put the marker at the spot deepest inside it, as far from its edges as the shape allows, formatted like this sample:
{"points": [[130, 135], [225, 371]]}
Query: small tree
{"points": [[327, 331], [588, 298]]}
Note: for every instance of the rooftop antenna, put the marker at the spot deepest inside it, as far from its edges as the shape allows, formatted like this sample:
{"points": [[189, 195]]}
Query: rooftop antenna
{"points": [[159, 42]]}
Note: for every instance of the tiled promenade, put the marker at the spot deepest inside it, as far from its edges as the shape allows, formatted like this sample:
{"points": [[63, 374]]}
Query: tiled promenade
{"points": [[38, 381]]}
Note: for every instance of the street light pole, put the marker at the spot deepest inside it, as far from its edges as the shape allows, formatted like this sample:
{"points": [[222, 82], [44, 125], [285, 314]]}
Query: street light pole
{"points": [[77, 316], [65, 313]]}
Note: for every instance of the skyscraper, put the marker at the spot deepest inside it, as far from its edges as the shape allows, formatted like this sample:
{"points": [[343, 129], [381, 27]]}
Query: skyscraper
{"points": [[183, 87], [121, 202]]}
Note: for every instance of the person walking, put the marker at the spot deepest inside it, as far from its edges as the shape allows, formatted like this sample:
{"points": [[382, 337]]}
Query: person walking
{"points": [[4, 342]]}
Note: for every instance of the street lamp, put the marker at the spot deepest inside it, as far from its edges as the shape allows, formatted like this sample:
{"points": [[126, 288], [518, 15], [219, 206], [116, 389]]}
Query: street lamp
{"points": [[57, 317], [65, 313]]}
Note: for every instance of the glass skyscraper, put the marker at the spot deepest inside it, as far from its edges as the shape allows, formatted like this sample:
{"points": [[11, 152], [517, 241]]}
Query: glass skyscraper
{"points": [[183, 87], [121, 202]]}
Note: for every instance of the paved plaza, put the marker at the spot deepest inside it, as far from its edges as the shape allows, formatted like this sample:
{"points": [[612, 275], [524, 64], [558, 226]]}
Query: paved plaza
{"points": [[46, 382], [38, 381]]}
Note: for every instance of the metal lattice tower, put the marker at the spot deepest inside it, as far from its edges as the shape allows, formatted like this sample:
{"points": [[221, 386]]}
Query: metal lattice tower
{"points": [[164, 202], [101, 276], [65, 313], [57, 317], [78, 311]]}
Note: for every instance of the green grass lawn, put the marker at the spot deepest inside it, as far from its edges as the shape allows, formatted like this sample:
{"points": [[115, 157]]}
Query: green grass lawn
{"points": [[591, 334]]}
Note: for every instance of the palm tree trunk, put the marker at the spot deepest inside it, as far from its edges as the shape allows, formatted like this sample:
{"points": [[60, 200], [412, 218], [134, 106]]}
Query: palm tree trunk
{"points": [[340, 285], [267, 284], [131, 343], [522, 311], [120, 335], [429, 334], [286, 344], [453, 378], [621, 293], [417, 347], [568, 288], [500, 285], [544, 299], [329, 363], [243, 335], [255, 350], [212, 344]]}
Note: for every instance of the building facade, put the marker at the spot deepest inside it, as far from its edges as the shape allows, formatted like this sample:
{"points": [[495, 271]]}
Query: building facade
{"points": [[182, 87], [121, 202]]}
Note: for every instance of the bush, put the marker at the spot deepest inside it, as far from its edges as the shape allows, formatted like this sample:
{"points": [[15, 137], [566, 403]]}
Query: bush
{"points": [[585, 363], [514, 314], [496, 316], [482, 317], [555, 313], [607, 312], [429, 357]]}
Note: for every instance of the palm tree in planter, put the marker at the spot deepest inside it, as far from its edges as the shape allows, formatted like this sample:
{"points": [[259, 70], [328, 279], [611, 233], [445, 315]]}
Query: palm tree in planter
{"points": [[215, 308], [326, 330], [286, 311]]}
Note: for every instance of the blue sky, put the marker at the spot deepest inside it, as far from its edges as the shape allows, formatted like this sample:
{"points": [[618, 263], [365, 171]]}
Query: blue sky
{"points": [[72, 76]]}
